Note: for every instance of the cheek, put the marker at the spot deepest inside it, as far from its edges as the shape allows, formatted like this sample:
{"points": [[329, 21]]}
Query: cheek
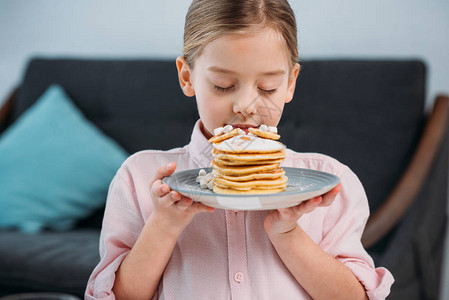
{"points": [[213, 110], [270, 109]]}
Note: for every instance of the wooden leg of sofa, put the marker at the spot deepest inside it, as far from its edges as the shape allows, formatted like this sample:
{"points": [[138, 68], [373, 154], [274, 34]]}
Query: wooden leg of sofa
{"points": [[397, 203], [6, 108]]}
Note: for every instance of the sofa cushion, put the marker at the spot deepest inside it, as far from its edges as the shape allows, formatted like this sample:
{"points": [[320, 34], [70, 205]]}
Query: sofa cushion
{"points": [[61, 261], [55, 166]]}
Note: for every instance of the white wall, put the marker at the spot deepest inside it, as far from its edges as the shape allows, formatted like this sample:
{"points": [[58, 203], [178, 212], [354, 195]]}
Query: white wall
{"points": [[151, 28]]}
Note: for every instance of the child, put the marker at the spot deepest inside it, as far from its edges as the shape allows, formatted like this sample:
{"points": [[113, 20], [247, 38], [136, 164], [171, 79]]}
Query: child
{"points": [[240, 62]]}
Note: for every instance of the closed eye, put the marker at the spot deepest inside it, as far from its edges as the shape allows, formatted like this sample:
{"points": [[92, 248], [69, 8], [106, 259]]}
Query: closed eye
{"points": [[268, 92], [222, 89]]}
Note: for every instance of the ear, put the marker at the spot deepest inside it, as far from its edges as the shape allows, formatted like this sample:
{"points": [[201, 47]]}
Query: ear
{"points": [[185, 76], [292, 82]]}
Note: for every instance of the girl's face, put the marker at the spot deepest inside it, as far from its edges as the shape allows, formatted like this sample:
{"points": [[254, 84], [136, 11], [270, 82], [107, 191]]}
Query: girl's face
{"points": [[241, 80]]}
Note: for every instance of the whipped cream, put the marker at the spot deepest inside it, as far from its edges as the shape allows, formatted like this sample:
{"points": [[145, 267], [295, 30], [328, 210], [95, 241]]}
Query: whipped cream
{"points": [[229, 128], [206, 180], [271, 129], [218, 131], [248, 143]]}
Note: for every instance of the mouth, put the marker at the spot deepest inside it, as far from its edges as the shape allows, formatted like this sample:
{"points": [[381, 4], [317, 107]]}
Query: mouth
{"points": [[244, 127]]}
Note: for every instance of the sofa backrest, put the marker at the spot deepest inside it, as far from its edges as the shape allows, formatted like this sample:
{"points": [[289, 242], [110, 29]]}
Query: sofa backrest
{"points": [[367, 114]]}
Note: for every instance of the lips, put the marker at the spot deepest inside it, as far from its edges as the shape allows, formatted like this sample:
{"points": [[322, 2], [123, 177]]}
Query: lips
{"points": [[244, 127]]}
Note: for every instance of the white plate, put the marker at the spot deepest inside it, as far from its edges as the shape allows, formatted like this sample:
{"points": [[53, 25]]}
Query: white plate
{"points": [[302, 184]]}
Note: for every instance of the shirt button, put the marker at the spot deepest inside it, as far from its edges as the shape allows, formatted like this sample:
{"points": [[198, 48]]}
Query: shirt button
{"points": [[238, 276]]}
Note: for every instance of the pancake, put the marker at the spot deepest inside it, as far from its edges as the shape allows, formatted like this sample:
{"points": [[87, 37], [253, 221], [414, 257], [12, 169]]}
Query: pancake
{"points": [[255, 176], [248, 164], [243, 170], [279, 186], [248, 144], [248, 157], [220, 190], [264, 134], [243, 163], [262, 184], [219, 138]]}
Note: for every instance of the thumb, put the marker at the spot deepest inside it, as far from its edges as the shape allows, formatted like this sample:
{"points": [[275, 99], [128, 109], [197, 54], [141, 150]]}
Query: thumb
{"points": [[164, 171]]}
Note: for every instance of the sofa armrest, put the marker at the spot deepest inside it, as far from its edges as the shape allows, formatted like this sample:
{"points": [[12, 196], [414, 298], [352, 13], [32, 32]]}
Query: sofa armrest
{"points": [[400, 199], [6, 108]]}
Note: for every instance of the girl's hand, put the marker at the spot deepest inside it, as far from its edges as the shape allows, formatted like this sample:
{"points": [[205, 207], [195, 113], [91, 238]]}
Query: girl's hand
{"points": [[284, 220], [172, 212]]}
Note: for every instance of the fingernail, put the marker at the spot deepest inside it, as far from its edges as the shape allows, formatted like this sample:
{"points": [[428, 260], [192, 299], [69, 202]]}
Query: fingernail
{"points": [[169, 166]]}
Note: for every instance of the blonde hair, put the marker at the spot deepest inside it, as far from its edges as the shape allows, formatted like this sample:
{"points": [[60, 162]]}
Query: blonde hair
{"points": [[207, 20]]}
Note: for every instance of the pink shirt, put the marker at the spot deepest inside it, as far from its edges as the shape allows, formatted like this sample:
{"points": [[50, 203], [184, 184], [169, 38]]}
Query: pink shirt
{"points": [[227, 254]]}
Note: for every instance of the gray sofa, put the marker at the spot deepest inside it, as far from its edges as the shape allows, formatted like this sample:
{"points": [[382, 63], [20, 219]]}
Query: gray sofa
{"points": [[369, 114]]}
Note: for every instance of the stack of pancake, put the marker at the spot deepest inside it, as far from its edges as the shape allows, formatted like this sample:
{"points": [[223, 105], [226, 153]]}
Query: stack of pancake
{"points": [[248, 164]]}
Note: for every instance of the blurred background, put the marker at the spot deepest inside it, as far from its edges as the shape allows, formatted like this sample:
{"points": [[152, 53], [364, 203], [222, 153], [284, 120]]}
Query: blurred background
{"points": [[351, 29]]}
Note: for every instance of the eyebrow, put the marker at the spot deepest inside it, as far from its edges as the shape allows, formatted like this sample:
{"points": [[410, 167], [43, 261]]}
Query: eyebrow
{"points": [[224, 71]]}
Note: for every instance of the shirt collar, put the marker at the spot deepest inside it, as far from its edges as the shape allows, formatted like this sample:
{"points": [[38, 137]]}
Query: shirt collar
{"points": [[199, 147]]}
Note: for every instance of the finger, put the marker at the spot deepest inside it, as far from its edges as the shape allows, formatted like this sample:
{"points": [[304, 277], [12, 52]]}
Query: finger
{"points": [[175, 196], [160, 189], [309, 205], [169, 199], [288, 212], [198, 207], [335, 190], [164, 171], [184, 203], [328, 199], [330, 196]]}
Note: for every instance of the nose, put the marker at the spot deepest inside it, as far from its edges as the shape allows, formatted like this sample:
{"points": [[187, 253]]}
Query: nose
{"points": [[245, 104]]}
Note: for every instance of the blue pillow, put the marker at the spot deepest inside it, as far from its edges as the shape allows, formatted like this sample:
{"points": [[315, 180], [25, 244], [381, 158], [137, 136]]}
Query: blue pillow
{"points": [[55, 166]]}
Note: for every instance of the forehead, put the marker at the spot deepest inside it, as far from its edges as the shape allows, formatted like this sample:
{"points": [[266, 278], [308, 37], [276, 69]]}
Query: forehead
{"points": [[259, 51]]}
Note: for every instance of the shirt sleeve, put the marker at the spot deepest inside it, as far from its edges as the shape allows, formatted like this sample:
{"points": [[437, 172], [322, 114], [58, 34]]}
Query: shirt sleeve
{"points": [[122, 224], [342, 231]]}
